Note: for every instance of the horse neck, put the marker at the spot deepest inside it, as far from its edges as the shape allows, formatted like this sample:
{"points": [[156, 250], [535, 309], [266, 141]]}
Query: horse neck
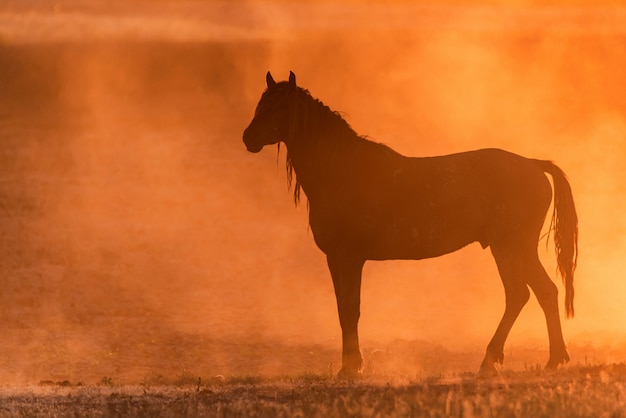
{"points": [[318, 146]]}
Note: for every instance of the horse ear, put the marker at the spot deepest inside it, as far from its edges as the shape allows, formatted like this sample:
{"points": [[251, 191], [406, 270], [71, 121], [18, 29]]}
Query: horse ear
{"points": [[270, 80], [292, 79]]}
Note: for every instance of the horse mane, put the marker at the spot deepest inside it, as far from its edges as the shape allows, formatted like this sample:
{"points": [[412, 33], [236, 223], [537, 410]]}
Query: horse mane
{"points": [[312, 121]]}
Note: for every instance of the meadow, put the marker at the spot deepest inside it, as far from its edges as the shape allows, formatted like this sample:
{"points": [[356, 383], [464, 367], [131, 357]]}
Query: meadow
{"points": [[150, 266], [576, 391]]}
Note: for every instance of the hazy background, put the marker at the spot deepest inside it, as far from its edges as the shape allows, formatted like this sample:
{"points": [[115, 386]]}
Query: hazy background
{"points": [[139, 239]]}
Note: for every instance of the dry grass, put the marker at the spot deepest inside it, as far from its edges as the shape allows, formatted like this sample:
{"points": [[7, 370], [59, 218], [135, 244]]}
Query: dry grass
{"points": [[139, 241], [577, 391]]}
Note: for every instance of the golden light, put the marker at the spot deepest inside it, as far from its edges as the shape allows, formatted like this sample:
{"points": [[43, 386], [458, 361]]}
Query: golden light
{"points": [[140, 234]]}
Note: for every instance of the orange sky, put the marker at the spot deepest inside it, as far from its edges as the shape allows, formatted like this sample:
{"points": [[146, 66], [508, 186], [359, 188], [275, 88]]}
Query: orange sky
{"points": [[161, 199]]}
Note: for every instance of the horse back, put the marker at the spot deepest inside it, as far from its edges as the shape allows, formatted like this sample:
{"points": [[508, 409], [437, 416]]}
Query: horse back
{"points": [[397, 207]]}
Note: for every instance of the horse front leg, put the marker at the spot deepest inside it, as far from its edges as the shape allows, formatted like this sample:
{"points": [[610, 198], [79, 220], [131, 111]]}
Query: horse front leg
{"points": [[346, 274]]}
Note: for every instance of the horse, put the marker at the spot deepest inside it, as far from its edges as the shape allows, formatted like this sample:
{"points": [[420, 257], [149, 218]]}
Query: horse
{"points": [[369, 202]]}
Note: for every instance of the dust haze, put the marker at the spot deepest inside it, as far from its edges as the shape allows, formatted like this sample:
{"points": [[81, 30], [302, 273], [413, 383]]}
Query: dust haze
{"points": [[138, 237]]}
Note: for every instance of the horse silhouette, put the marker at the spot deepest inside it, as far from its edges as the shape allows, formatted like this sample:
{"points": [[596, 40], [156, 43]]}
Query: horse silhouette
{"points": [[368, 202]]}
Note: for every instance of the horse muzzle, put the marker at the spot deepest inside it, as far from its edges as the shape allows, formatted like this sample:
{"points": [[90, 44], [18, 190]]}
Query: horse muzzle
{"points": [[250, 146], [254, 148]]}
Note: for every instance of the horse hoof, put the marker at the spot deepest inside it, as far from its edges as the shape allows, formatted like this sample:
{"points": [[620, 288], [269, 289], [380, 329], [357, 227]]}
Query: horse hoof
{"points": [[557, 359], [488, 366], [487, 370], [554, 364], [349, 373]]}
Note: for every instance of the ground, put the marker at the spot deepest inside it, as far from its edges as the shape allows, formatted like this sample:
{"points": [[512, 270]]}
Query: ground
{"points": [[590, 391], [150, 265]]}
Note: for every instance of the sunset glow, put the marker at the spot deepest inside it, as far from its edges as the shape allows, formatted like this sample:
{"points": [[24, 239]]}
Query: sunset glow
{"points": [[139, 234]]}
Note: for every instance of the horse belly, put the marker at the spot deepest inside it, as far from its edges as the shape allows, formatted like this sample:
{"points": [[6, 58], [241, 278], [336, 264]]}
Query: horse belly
{"points": [[424, 240], [387, 238]]}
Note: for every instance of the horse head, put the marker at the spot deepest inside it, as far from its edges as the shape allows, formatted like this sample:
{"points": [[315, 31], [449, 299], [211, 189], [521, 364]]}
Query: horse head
{"points": [[270, 124]]}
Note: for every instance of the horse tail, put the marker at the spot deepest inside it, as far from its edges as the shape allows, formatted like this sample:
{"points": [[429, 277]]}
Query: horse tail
{"points": [[564, 224]]}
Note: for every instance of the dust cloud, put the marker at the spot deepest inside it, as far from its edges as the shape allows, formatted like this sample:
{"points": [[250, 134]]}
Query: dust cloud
{"points": [[139, 239]]}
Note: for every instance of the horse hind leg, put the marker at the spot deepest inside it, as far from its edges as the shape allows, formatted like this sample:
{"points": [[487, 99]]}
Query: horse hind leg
{"points": [[517, 294], [547, 294]]}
